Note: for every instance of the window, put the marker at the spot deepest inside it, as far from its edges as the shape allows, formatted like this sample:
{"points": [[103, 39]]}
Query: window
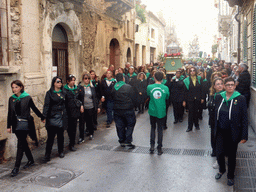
{"points": [[245, 42], [137, 28], [1, 49], [3, 35], [128, 29], [152, 33]]}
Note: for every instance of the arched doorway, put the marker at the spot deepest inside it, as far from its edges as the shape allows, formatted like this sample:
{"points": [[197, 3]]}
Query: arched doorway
{"points": [[129, 55], [114, 53], [60, 51]]}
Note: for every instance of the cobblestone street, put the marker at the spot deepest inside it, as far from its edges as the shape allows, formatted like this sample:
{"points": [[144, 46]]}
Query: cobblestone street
{"points": [[101, 165]]}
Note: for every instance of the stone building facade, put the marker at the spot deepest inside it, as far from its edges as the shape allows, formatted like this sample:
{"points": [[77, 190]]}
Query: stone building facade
{"points": [[44, 38], [237, 43], [149, 39]]}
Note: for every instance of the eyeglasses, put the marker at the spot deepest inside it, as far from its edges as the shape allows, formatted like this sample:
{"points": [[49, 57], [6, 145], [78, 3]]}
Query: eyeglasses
{"points": [[86, 78], [71, 75], [58, 81], [192, 70], [230, 85]]}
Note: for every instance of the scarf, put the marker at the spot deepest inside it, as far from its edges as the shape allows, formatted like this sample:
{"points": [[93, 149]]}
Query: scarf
{"points": [[133, 75], [110, 79], [70, 89], [57, 91], [235, 94], [22, 95], [118, 85], [187, 81]]}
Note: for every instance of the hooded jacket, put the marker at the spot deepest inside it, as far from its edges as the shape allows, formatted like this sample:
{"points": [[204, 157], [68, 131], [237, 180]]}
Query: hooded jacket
{"points": [[237, 115]]}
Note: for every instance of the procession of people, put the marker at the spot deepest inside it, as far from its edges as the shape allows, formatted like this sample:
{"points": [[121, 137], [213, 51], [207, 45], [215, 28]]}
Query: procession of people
{"points": [[222, 88]]}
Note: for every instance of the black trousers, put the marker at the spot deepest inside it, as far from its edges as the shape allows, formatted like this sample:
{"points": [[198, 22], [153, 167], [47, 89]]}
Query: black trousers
{"points": [[22, 146], [178, 110], [213, 140], [52, 132], [193, 113], [72, 126], [160, 125], [165, 118], [141, 107], [125, 122], [225, 146], [86, 117]]}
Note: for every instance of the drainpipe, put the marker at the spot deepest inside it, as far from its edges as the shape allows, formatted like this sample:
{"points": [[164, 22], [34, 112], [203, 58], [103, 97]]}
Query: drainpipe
{"points": [[238, 36], [7, 26]]}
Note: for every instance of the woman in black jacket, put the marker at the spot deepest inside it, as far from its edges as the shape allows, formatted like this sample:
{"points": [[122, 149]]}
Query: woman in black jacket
{"points": [[231, 127], [89, 106], [141, 91], [193, 97], [177, 96], [20, 122], [56, 117], [107, 85], [74, 108], [216, 88]]}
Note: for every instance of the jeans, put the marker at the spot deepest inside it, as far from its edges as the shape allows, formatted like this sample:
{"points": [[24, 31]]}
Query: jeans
{"points": [[109, 109], [52, 131], [160, 124], [22, 146], [72, 126], [125, 121]]}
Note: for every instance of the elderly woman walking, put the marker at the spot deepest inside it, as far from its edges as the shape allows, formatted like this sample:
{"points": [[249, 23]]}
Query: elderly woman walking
{"points": [[231, 126]]}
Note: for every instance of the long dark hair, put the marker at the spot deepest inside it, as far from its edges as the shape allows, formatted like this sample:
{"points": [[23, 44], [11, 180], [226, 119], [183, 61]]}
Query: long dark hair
{"points": [[19, 83], [54, 80]]}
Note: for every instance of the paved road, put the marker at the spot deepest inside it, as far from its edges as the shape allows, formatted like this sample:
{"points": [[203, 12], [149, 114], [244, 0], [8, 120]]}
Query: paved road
{"points": [[101, 165]]}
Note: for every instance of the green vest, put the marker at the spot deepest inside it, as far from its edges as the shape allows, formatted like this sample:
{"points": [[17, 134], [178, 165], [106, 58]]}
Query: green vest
{"points": [[158, 94]]}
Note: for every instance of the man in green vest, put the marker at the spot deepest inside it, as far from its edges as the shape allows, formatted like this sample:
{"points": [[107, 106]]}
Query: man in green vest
{"points": [[158, 94]]}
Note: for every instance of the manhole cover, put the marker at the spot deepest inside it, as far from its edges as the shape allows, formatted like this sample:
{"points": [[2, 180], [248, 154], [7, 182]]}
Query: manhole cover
{"points": [[52, 177]]}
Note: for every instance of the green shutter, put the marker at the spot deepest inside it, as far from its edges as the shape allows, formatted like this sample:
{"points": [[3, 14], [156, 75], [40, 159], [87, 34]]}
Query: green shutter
{"points": [[245, 44]]}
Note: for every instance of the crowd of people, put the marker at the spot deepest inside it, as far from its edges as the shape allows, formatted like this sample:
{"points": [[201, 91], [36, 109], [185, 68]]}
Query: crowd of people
{"points": [[222, 88]]}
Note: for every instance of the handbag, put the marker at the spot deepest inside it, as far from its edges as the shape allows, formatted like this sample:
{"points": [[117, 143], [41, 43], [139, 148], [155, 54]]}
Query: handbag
{"points": [[22, 124], [55, 121]]}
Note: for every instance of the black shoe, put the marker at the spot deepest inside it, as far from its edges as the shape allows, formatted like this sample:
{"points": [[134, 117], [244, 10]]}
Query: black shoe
{"points": [[213, 154], [159, 151], [15, 172], [197, 127], [72, 148], [175, 122], [188, 130], [91, 137], [230, 182], [46, 158], [80, 141], [130, 146], [181, 120], [200, 118], [152, 149], [218, 176], [108, 125], [61, 155], [29, 163], [122, 144]]}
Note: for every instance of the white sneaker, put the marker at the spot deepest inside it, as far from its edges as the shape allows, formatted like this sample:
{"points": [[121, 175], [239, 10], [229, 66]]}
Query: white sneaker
{"points": [[215, 165]]}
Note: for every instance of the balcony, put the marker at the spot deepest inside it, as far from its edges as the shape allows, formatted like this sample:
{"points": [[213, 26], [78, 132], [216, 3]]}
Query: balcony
{"points": [[232, 3], [118, 8], [225, 25]]}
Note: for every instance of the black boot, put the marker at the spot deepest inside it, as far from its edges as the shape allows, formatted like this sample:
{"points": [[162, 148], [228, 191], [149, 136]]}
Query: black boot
{"points": [[152, 149], [15, 172], [46, 158], [159, 151], [29, 163]]}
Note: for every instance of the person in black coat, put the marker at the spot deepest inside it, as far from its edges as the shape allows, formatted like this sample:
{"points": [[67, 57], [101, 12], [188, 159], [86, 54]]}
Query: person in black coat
{"points": [[141, 91], [107, 85], [244, 82], [56, 117], [216, 88], [231, 127], [177, 96], [20, 122], [89, 106], [124, 99], [74, 108], [96, 84], [193, 97], [205, 89]]}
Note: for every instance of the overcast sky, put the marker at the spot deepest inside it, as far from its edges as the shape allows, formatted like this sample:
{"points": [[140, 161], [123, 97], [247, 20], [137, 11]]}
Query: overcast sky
{"points": [[190, 17]]}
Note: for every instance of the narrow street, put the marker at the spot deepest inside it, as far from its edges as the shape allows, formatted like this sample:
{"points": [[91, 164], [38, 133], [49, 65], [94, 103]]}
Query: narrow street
{"points": [[102, 165]]}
